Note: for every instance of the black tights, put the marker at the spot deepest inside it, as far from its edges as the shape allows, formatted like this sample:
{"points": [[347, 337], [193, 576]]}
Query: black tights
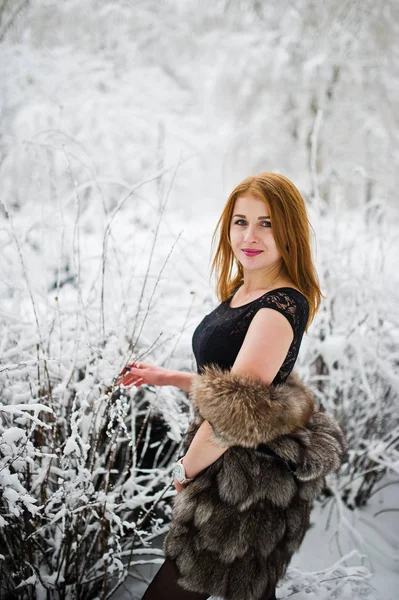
{"points": [[164, 586]]}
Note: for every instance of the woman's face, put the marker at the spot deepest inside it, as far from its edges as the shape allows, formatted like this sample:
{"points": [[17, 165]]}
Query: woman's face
{"points": [[251, 229]]}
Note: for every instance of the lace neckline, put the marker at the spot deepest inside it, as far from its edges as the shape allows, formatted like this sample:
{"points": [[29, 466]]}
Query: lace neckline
{"points": [[227, 302]]}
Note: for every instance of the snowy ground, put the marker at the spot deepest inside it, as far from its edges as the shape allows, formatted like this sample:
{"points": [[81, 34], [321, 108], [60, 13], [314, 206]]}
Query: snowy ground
{"points": [[371, 541], [352, 556]]}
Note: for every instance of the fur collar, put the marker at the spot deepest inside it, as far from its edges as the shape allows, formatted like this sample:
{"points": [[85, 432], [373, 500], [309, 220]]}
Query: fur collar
{"points": [[245, 411]]}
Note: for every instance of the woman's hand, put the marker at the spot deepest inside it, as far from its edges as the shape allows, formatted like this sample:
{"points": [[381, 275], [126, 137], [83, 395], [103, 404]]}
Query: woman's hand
{"points": [[140, 373], [179, 486]]}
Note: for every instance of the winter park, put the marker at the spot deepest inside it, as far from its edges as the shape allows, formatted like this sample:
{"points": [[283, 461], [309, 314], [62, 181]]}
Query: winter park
{"points": [[125, 126]]}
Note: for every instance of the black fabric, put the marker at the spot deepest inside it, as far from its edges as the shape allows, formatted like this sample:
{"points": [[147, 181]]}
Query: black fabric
{"points": [[164, 586], [219, 336]]}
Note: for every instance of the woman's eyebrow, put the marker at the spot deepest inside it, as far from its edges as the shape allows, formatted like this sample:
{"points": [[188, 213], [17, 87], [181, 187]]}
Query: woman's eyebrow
{"points": [[243, 216]]}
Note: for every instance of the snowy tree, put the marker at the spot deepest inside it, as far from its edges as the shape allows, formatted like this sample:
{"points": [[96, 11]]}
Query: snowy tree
{"points": [[124, 127]]}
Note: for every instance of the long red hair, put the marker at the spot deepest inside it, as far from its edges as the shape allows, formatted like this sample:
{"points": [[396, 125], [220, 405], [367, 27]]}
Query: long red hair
{"points": [[291, 233]]}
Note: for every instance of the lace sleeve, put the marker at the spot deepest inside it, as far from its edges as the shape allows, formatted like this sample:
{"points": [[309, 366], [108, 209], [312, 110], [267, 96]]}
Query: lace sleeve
{"points": [[294, 308]]}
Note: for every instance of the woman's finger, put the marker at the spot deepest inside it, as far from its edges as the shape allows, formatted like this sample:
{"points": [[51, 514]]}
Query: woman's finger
{"points": [[128, 368], [130, 372], [131, 380], [128, 380], [134, 372], [125, 370]]}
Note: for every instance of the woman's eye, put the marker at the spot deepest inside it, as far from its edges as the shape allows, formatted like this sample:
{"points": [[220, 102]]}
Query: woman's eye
{"points": [[268, 223]]}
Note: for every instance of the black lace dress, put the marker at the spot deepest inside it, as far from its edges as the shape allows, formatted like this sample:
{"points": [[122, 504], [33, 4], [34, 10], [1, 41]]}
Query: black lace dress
{"points": [[219, 336]]}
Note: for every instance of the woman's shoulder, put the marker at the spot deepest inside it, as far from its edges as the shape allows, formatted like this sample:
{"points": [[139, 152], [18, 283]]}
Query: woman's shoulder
{"points": [[290, 301], [290, 293], [286, 283]]}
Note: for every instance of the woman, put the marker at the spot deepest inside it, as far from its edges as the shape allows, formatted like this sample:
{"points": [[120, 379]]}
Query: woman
{"points": [[258, 450]]}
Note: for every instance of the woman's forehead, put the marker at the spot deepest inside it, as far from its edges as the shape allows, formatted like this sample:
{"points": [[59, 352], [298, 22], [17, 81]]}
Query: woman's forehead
{"points": [[250, 203]]}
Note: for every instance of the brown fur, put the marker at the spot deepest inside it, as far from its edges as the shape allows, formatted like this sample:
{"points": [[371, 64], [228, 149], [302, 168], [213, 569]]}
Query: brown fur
{"points": [[244, 411], [237, 524]]}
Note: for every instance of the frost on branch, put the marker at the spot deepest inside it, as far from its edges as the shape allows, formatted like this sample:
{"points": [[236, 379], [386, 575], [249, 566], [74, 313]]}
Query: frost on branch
{"points": [[84, 485], [86, 282]]}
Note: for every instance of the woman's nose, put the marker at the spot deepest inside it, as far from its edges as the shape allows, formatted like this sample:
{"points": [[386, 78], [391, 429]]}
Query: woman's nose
{"points": [[250, 234]]}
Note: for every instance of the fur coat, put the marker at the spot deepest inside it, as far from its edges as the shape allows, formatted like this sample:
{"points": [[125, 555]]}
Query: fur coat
{"points": [[238, 523]]}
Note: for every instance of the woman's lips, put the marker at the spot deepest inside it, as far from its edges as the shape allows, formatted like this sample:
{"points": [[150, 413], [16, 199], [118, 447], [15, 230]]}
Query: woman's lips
{"points": [[252, 252]]}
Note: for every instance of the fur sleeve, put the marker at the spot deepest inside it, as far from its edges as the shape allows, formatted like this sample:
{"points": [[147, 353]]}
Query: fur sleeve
{"points": [[245, 411]]}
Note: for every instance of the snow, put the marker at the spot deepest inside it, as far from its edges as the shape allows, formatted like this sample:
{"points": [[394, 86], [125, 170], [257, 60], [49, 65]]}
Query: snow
{"points": [[124, 128], [360, 537]]}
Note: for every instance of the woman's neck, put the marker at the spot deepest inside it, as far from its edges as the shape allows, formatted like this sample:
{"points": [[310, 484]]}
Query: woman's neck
{"points": [[258, 281]]}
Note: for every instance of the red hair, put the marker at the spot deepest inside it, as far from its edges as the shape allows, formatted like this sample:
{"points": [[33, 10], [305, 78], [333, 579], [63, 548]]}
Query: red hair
{"points": [[291, 233]]}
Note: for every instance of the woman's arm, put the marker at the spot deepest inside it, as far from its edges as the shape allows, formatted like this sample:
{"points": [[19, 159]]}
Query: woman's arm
{"points": [[180, 379], [203, 451], [141, 373], [260, 355]]}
